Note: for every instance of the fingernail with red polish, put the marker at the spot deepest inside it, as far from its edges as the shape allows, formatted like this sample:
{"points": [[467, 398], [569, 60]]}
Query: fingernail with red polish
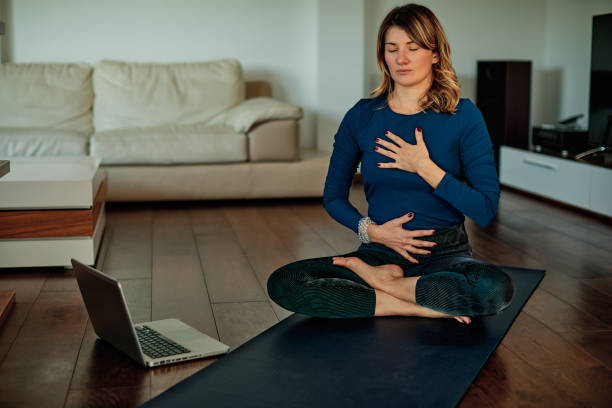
{"points": [[410, 214], [378, 139], [378, 164], [386, 132], [376, 148], [419, 129]]}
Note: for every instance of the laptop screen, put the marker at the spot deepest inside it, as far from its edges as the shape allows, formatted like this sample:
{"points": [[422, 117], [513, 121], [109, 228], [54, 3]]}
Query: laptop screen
{"points": [[107, 309]]}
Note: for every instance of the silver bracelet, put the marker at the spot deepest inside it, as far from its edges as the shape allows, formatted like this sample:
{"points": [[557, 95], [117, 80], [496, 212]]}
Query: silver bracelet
{"points": [[362, 229]]}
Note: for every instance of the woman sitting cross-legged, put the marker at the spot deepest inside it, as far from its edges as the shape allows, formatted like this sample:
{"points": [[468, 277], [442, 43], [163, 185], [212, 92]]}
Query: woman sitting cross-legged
{"points": [[416, 140]]}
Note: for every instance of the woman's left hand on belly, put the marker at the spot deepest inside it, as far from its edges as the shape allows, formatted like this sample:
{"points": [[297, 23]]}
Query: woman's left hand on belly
{"points": [[393, 235], [407, 156]]}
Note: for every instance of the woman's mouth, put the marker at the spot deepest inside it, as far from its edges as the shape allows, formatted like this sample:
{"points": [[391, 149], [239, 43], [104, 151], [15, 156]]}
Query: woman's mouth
{"points": [[404, 71]]}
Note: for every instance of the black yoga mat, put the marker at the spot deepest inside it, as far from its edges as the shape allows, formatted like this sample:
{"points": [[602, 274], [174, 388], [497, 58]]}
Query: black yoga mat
{"points": [[391, 361]]}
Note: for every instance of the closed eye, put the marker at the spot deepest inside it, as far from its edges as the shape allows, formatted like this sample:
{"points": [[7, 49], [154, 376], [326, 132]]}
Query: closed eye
{"points": [[416, 49]]}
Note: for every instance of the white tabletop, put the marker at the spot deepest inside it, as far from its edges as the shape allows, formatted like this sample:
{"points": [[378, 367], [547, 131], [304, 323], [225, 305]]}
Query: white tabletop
{"points": [[52, 168], [50, 182]]}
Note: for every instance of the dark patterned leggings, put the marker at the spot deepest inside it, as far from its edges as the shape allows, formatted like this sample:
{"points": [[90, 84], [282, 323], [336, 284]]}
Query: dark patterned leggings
{"points": [[451, 282]]}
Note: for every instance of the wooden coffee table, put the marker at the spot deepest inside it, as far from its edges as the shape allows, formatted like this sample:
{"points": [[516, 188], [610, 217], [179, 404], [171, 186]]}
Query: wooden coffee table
{"points": [[51, 210], [7, 297]]}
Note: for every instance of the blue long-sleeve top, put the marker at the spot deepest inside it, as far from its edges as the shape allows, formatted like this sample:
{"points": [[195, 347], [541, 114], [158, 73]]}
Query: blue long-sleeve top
{"points": [[458, 143]]}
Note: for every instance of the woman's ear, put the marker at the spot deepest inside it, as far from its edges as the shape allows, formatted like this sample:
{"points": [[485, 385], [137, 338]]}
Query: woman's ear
{"points": [[435, 58]]}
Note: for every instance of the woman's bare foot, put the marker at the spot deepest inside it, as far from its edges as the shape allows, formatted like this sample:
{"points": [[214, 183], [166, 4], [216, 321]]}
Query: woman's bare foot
{"points": [[381, 278], [387, 305], [377, 277]]}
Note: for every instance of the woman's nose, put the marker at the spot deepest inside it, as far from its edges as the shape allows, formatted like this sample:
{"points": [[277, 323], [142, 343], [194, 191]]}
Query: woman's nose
{"points": [[402, 57]]}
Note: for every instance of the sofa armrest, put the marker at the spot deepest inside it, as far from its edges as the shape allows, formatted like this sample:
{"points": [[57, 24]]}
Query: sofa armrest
{"points": [[260, 109], [274, 140]]}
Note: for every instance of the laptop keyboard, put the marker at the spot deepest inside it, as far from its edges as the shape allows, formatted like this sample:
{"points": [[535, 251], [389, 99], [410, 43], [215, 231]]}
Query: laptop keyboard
{"points": [[155, 345]]}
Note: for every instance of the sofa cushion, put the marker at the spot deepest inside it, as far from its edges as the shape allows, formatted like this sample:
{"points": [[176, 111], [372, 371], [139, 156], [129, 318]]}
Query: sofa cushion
{"points": [[46, 96], [42, 142], [133, 95], [170, 145]]}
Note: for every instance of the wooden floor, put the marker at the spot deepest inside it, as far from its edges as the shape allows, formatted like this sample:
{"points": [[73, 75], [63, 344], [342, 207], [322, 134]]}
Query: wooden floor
{"points": [[207, 264]]}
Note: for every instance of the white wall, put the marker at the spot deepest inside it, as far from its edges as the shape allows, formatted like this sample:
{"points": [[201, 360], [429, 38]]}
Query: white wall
{"points": [[341, 70], [320, 54]]}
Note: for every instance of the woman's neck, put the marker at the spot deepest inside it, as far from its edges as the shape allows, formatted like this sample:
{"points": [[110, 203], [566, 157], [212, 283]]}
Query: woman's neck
{"points": [[404, 99]]}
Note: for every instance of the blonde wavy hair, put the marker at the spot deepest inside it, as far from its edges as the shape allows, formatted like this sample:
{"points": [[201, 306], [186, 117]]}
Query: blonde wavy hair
{"points": [[423, 27]]}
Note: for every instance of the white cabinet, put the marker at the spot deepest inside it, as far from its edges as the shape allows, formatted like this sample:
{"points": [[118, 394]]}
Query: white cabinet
{"points": [[579, 184], [601, 190]]}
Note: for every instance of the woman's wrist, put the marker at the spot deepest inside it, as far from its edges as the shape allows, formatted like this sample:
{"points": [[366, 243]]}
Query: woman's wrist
{"points": [[431, 173], [372, 230]]}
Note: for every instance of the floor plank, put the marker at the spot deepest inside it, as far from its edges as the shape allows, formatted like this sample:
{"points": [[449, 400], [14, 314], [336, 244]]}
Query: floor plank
{"points": [[583, 297], [107, 397], [337, 236], [603, 285], [27, 287], [229, 276], [542, 347], [7, 301], [165, 377], [560, 316], [101, 366], [301, 240], [209, 219], [38, 368], [596, 343], [240, 322], [172, 233], [263, 248], [130, 249], [589, 387], [179, 292], [508, 381]]}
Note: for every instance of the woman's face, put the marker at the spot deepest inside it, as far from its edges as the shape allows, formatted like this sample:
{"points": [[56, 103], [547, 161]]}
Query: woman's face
{"points": [[409, 64]]}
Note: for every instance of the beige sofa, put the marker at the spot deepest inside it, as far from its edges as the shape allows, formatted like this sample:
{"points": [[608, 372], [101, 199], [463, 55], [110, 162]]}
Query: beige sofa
{"points": [[182, 131]]}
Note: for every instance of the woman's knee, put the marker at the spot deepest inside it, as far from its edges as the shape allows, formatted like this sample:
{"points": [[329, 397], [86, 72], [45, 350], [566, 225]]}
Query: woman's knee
{"points": [[286, 283], [279, 283], [494, 287]]}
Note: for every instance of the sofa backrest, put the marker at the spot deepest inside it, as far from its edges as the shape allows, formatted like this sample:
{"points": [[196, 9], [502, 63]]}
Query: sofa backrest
{"points": [[55, 96], [131, 95]]}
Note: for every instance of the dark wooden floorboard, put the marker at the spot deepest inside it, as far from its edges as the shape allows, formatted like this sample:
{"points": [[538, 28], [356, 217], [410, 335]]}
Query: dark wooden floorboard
{"points": [[228, 273], [38, 368], [179, 291], [100, 366], [264, 250], [27, 287], [208, 263]]}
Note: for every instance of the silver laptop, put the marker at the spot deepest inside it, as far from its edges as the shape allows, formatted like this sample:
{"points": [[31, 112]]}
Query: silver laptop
{"points": [[151, 344]]}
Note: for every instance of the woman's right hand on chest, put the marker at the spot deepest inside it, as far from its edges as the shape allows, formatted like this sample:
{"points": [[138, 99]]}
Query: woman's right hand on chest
{"points": [[402, 241]]}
